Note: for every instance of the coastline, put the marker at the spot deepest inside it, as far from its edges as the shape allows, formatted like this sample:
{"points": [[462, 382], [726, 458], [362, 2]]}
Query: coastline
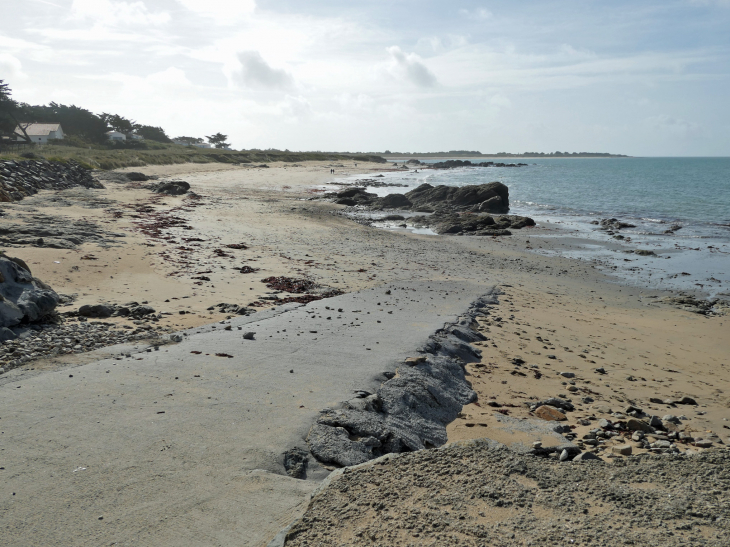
{"points": [[286, 234]]}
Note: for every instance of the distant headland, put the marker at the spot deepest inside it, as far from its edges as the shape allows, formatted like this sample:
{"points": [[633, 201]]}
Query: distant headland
{"points": [[477, 154]]}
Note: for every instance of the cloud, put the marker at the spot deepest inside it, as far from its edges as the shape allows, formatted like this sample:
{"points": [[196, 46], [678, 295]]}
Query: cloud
{"points": [[500, 101], [409, 67], [480, 14], [255, 72], [10, 67], [115, 13], [224, 12], [669, 124]]}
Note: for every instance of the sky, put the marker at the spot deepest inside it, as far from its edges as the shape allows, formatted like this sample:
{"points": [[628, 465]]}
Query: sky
{"points": [[648, 78]]}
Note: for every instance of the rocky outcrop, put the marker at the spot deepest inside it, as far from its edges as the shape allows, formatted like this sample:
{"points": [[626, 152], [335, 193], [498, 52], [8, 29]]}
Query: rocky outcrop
{"points": [[446, 222], [19, 179], [23, 298], [492, 197], [410, 411], [451, 164]]}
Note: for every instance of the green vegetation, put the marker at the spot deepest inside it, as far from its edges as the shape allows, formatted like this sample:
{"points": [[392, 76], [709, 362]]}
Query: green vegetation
{"points": [[104, 158], [86, 142]]}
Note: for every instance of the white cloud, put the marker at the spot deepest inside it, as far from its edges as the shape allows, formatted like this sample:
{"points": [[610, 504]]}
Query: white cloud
{"points": [[500, 101], [116, 13], [409, 67], [10, 67], [225, 12], [671, 125], [255, 72], [480, 14]]}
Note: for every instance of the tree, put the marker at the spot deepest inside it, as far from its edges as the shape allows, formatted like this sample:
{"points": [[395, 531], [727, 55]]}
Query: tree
{"points": [[118, 123], [188, 140], [5, 92], [152, 133], [218, 140]]}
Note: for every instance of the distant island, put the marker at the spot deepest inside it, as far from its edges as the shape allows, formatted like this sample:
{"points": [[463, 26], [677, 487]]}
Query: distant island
{"points": [[477, 154]]}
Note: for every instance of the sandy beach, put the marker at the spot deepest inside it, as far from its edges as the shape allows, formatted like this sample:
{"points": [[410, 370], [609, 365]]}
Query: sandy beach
{"points": [[560, 327]]}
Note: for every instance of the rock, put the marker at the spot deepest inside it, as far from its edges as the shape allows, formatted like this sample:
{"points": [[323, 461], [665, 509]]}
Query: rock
{"points": [[586, 457], [622, 449], [642, 252], [22, 296], [687, 401], [703, 443], [6, 334], [295, 463], [135, 176], [564, 456], [566, 374], [638, 425], [97, 311], [549, 413], [464, 197], [249, 336], [557, 403], [173, 188], [395, 201], [656, 400], [413, 361], [656, 422], [600, 370], [671, 419], [176, 338], [604, 423]]}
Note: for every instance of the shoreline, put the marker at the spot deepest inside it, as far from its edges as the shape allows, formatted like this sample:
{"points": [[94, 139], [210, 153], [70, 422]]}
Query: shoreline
{"points": [[269, 211]]}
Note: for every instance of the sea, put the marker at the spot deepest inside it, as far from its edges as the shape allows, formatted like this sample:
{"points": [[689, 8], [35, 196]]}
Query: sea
{"points": [[654, 194]]}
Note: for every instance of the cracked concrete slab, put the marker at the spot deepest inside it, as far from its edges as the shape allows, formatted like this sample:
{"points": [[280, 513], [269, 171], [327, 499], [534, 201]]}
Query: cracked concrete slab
{"points": [[185, 445]]}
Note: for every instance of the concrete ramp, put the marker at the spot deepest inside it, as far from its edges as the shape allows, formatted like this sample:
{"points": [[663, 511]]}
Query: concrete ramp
{"points": [[185, 445]]}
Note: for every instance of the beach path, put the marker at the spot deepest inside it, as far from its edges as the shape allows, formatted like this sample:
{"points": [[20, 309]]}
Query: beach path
{"points": [[184, 445]]}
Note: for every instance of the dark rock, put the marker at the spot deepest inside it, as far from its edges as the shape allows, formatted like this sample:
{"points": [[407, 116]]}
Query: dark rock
{"points": [[173, 188], [7, 334], [295, 463], [464, 197], [98, 310], [137, 177], [23, 297], [395, 201]]}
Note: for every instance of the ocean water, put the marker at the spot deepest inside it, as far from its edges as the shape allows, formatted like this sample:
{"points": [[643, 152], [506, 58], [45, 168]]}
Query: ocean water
{"points": [[652, 193]]}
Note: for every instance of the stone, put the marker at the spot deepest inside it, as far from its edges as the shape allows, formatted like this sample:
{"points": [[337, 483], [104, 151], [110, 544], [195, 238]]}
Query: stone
{"points": [[173, 188], [602, 409], [703, 443], [413, 361], [249, 336], [634, 424], [22, 296], [550, 414], [564, 374], [6, 334], [604, 423], [97, 310], [564, 455], [395, 201], [586, 457], [461, 197], [622, 450], [671, 419]]}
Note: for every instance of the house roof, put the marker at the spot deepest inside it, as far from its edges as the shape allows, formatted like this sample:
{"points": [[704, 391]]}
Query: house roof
{"points": [[39, 129]]}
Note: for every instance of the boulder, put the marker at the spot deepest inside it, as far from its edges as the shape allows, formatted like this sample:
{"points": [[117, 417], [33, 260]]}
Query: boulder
{"points": [[23, 298], [395, 201], [173, 188], [550, 413], [96, 311], [464, 197], [135, 176]]}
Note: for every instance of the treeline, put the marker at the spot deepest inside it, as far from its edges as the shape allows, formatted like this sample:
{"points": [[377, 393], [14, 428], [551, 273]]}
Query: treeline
{"points": [[80, 125]]}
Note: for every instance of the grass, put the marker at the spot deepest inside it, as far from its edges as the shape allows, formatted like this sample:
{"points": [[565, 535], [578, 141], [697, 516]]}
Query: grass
{"points": [[163, 154]]}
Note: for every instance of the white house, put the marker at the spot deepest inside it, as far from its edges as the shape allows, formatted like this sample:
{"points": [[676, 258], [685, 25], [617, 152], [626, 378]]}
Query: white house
{"points": [[116, 136], [40, 133], [202, 145], [136, 137]]}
